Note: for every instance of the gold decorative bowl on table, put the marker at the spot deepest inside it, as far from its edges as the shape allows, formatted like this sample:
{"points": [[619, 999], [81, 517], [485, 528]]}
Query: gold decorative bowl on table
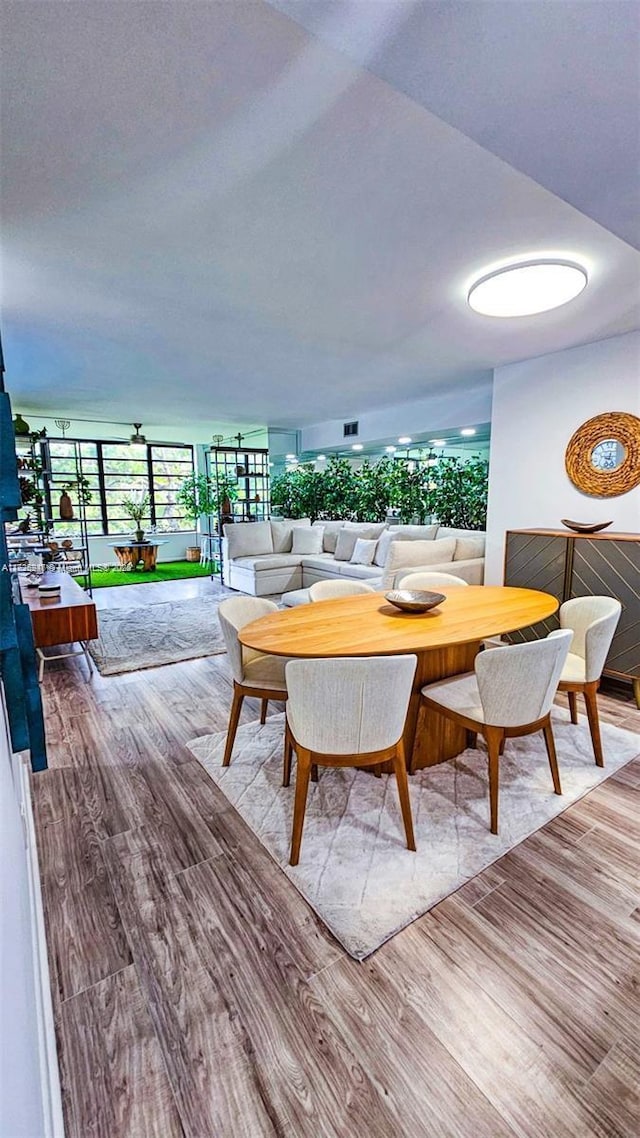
{"points": [[414, 600]]}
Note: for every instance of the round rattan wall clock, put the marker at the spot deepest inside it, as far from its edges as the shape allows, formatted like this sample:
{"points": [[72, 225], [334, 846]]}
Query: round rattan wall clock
{"points": [[603, 455]]}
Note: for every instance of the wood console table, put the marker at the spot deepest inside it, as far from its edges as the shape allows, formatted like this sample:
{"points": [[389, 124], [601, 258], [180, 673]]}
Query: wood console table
{"points": [[68, 619], [568, 564]]}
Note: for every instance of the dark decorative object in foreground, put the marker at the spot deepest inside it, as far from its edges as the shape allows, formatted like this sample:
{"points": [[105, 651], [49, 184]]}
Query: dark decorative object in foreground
{"points": [[414, 600], [585, 527]]}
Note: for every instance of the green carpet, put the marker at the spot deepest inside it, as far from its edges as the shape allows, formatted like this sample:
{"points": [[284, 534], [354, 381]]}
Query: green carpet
{"points": [[165, 571]]}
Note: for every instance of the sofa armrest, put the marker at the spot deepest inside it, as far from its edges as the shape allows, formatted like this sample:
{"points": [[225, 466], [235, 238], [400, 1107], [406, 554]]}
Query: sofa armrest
{"points": [[471, 571], [224, 554]]}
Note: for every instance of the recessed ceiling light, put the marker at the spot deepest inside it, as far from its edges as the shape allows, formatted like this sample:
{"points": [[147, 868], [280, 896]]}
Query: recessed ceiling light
{"points": [[404, 439], [291, 457], [320, 457], [357, 446], [468, 431], [527, 289], [437, 442], [389, 450]]}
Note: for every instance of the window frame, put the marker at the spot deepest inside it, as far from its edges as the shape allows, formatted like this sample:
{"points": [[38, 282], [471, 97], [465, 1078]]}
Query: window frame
{"points": [[104, 493]]}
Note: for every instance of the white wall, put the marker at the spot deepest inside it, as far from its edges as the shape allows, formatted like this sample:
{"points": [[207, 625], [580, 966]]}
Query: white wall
{"points": [[29, 1088], [537, 405], [457, 407]]}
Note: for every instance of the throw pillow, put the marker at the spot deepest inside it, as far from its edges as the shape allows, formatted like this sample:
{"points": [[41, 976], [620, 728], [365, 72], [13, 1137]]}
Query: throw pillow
{"points": [[306, 539], [281, 531], [345, 544], [469, 547], [248, 539], [363, 552], [330, 534], [382, 547], [411, 554]]}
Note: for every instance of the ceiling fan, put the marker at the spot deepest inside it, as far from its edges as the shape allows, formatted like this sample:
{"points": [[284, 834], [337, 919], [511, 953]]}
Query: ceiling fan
{"points": [[136, 436]]}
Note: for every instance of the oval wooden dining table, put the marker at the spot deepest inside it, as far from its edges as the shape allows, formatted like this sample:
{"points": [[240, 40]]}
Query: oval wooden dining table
{"points": [[446, 641]]}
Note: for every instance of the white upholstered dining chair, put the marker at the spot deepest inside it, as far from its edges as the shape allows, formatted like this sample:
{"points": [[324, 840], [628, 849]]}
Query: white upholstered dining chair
{"points": [[332, 590], [428, 580], [593, 622], [254, 673], [347, 713], [509, 693]]}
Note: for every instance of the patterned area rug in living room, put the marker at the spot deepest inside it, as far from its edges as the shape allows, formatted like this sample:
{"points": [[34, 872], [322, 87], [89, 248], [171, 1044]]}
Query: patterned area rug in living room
{"points": [[355, 870], [151, 635]]}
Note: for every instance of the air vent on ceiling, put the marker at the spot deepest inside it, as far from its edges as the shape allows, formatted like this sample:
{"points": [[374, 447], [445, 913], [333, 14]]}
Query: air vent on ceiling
{"points": [[350, 429]]}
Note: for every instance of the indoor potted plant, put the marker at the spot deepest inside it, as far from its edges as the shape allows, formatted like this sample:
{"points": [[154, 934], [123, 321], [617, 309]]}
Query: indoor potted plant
{"points": [[136, 507], [197, 497]]}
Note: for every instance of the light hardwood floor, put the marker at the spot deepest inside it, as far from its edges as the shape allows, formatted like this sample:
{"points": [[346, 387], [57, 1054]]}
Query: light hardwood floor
{"points": [[196, 994]]}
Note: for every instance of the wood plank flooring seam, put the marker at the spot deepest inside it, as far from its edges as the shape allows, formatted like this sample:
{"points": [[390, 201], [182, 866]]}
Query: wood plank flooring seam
{"points": [[83, 991]]}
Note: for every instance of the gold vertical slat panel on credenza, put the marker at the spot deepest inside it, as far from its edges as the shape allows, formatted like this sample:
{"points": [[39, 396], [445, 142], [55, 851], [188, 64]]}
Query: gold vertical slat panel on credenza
{"points": [[578, 565]]}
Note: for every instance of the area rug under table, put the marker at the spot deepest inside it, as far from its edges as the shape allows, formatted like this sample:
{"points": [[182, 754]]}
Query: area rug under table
{"points": [[151, 635], [354, 869]]}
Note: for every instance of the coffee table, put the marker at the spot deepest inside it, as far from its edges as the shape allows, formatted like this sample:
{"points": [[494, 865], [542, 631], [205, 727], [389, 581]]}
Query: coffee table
{"points": [[446, 641], [131, 553]]}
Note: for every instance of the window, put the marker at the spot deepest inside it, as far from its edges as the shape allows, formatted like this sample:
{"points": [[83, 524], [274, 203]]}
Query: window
{"points": [[111, 471]]}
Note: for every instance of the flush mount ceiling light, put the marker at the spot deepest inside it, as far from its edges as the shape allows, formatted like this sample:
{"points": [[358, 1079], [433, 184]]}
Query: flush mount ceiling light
{"points": [[437, 442], [357, 446], [321, 457], [527, 289], [467, 431], [404, 440]]}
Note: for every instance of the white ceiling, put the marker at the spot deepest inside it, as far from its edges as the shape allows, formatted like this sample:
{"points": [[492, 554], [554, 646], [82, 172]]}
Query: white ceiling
{"points": [[212, 213]]}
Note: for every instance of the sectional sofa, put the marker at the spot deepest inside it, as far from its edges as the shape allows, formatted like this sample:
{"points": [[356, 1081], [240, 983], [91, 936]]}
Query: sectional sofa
{"points": [[285, 555]]}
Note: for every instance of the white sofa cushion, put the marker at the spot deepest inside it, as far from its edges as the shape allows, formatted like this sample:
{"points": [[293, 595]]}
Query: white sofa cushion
{"points": [[282, 532], [363, 552], [367, 529], [407, 554], [469, 547], [348, 536], [382, 547], [306, 539], [319, 561], [360, 572], [330, 531], [417, 533], [266, 561], [248, 539]]}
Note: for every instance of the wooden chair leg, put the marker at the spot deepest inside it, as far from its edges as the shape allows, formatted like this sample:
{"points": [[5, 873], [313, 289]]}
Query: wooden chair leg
{"points": [[263, 710], [400, 768], [594, 721], [551, 752], [377, 770], [494, 737], [573, 705], [288, 750], [236, 708], [314, 772], [502, 743], [300, 803], [472, 740]]}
